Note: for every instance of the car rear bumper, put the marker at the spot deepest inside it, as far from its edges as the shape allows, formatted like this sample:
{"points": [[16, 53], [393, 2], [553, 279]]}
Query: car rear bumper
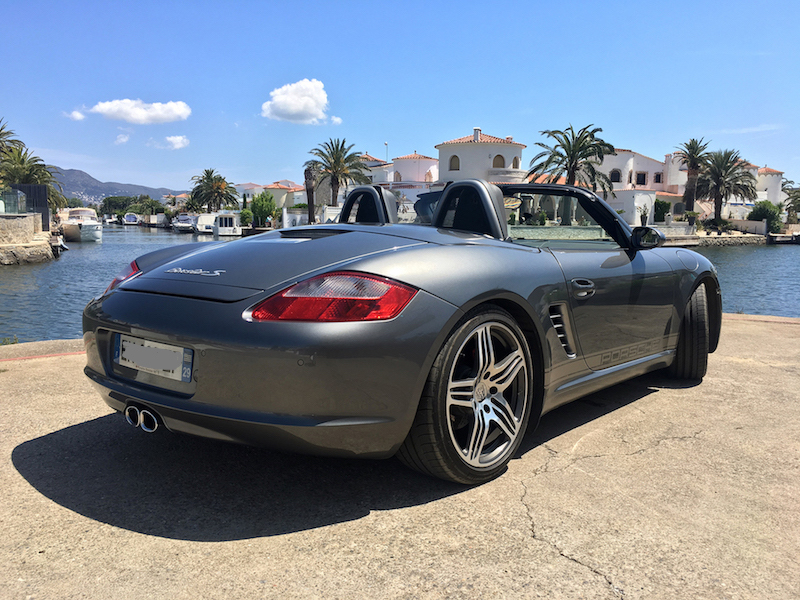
{"points": [[340, 389]]}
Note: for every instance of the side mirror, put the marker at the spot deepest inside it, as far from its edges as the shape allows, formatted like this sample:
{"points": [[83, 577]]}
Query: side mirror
{"points": [[644, 238]]}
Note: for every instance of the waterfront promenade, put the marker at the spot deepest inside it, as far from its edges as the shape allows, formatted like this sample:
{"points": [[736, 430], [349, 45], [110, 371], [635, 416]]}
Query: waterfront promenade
{"points": [[651, 489]]}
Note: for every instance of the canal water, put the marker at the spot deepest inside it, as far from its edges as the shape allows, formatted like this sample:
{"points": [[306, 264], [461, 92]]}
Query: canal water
{"points": [[45, 302]]}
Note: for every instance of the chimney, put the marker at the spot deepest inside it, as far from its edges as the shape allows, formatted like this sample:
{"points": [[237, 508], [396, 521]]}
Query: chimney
{"points": [[509, 138], [476, 134]]}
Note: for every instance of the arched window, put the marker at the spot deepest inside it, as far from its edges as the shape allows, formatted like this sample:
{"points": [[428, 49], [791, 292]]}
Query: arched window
{"points": [[455, 164], [397, 176], [615, 176], [515, 163], [428, 176], [499, 162]]}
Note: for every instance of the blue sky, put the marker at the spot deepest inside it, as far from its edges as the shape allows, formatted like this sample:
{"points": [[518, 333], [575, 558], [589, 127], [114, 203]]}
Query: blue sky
{"points": [[152, 93]]}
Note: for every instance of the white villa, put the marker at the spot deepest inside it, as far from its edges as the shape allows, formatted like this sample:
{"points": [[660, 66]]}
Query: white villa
{"points": [[638, 180], [285, 192]]}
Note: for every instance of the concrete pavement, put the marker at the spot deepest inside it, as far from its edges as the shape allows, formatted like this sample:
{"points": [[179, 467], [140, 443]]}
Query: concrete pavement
{"points": [[650, 489]]}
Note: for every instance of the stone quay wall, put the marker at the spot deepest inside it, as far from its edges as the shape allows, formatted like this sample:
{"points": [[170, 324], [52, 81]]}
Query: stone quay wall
{"points": [[22, 240]]}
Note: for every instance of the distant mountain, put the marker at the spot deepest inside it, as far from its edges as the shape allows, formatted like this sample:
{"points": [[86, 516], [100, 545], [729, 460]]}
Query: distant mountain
{"points": [[78, 184]]}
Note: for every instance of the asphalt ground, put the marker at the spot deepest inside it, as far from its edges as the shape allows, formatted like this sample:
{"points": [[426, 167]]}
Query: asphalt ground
{"points": [[650, 489]]}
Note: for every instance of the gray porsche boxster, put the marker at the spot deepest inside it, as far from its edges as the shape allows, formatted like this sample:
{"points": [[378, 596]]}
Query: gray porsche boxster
{"points": [[439, 334]]}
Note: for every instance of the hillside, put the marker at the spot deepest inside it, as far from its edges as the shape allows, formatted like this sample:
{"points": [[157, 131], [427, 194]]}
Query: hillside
{"points": [[79, 184]]}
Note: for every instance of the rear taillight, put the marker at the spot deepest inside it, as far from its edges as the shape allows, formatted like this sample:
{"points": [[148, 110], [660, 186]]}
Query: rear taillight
{"points": [[131, 270], [340, 296]]}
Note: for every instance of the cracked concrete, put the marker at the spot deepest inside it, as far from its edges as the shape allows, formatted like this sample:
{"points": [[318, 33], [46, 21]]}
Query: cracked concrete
{"points": [[648, 490]]}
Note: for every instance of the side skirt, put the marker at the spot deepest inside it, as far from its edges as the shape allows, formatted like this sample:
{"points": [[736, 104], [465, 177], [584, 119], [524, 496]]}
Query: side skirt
{"points": [[598, 380]]}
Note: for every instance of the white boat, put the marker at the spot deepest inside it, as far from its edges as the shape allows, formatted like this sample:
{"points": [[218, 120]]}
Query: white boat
{"points": [[227, 224], [184, 223], [205, 223], [108, 220], [82, 226], [130, 219]]}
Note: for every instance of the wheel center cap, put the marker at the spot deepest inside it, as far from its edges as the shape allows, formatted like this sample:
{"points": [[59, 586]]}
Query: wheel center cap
{"points": [[481, 392]]}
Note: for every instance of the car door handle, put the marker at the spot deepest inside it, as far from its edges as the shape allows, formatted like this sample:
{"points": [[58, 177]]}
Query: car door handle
{"points": [[582, 288]]}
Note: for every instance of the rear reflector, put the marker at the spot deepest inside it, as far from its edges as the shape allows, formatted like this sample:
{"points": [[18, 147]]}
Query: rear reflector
{"points": [[336, 297]]}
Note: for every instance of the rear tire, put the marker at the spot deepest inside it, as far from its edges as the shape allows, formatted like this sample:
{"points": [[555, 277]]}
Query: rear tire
{"points": [[691, 355], [476, 403]]}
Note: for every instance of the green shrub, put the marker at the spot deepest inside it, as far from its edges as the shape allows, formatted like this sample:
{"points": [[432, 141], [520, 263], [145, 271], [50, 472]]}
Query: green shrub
{"points": [[660, 208], [246, 217], [767, 210]]}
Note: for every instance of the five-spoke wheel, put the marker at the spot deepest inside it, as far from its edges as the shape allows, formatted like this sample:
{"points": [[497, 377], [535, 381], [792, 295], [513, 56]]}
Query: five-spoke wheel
{"points": [[477, 402]]}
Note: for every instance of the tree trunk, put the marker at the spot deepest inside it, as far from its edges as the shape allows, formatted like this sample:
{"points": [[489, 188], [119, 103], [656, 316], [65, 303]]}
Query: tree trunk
{"points": [[309, 177], [334, 190], [717, 208], [690, 193]]}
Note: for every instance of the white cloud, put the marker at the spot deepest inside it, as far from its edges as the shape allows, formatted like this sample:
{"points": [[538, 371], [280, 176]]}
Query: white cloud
{"points": [[176, 142], [336, 120], [141, 113], [75, 115], [303, 102], [756, 129], [122, 138]]}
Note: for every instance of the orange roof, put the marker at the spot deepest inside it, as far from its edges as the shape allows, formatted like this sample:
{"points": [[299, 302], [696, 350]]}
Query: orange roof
{"points": [[414, 156], [666, 194], [365, 156], [482, 139], [247, 185], [768, 171]]}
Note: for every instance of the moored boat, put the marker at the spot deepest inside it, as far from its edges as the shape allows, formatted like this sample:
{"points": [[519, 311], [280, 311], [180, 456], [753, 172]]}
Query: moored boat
{"points": [[184, 223], [205, 223], [227, 224], [130, 219], [82, 226]]}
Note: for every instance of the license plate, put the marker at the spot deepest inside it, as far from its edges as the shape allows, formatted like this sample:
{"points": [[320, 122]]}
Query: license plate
{"points": [[164, 360]]}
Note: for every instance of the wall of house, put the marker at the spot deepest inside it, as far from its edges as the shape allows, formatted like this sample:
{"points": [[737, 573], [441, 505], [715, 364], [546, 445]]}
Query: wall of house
{"points": [[631, 163], [771, 184], [414, 169]]}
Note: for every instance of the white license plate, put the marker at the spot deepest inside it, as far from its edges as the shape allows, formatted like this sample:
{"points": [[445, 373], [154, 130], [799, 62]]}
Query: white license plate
{"points": [[164, 360]]}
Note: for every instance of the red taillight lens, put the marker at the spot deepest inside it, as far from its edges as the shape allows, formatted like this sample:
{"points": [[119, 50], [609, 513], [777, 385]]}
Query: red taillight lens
{"points": [[340, 296], [129, 271]]}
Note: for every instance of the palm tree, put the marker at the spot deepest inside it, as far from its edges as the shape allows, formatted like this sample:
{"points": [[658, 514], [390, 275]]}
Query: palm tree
{"points": [[335, 163], [7, 139], [18, 165], [213, 191], [724, 176], [575, 157], [792, 202], [692, 154]]}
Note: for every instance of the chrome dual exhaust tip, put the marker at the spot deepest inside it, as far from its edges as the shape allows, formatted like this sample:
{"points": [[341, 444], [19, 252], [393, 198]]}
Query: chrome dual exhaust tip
{"points": [[143, 418]]}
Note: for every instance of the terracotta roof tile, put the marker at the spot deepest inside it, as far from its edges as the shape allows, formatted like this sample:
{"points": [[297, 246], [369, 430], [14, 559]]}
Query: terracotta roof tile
{"points": [[768, 171], [370, 158], [414, 156], [482, 139]]}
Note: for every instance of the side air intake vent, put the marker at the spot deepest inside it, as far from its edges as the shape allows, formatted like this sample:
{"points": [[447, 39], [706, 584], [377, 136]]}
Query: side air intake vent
{"points": [[560, 325]]}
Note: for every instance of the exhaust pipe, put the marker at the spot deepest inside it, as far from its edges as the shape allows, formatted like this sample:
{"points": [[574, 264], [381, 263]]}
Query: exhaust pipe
{"points": [[148, 421], [132, 415], [143, 418]]}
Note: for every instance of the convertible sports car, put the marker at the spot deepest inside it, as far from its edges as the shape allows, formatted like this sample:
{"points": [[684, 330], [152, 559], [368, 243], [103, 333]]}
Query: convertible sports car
{"points": [[440, 340]]}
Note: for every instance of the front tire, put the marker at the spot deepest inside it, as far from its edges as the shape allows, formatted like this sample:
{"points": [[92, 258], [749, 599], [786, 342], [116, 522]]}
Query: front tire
{"points": [[477, 401], [691, 355]]}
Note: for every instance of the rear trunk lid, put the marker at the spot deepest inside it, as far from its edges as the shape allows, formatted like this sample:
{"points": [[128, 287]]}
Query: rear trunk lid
{"points": [[236, 270]]}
